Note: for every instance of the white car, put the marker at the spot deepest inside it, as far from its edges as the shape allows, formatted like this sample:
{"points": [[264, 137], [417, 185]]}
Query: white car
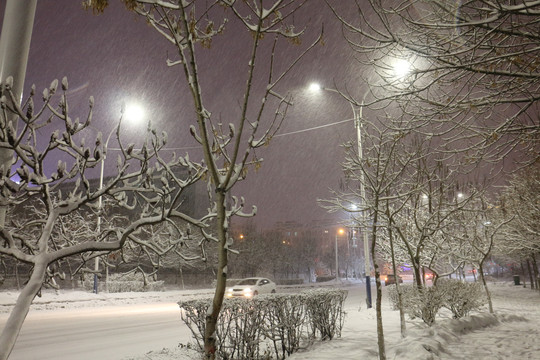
{"points": [[250, 287]]}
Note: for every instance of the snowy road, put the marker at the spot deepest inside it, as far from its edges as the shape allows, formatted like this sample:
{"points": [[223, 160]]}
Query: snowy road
{"points": [[93, 333]]}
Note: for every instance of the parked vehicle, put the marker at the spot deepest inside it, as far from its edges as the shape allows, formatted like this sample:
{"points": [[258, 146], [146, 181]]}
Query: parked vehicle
{"points": [[391, 279], [251, 287]]}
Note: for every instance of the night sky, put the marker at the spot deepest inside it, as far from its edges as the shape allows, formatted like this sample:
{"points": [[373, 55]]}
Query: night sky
{"points": [[116, 57]]}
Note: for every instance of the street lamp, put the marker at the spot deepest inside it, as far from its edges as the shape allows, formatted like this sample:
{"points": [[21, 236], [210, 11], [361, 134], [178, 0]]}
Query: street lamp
{"points": [[100, 205], [367, 266], [133, 113], [357, 115], [400, 69], [339, 232]]}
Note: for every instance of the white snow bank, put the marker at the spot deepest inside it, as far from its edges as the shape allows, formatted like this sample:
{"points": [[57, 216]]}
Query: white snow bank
{"points": [[430, 343]]}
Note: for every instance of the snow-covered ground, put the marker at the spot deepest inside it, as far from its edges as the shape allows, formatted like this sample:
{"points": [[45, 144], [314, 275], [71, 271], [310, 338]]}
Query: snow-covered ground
{"points": [[512, 333]]}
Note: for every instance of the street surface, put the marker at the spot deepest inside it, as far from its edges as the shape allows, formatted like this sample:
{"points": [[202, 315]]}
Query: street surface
{"points": [[99, 333]]}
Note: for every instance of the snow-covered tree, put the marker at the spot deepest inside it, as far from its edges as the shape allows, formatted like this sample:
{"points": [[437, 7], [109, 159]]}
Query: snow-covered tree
{"points": [[377, 173], [145, 189], [520, 200], [469, 66], [229, 149]]}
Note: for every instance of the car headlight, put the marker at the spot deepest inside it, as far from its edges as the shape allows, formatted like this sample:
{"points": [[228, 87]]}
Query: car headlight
{"points": [[248, 292]]}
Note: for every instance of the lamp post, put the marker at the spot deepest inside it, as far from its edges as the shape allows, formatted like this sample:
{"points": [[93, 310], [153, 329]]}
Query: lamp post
{"points": [[133, 113], [401, 68], [357, 116], [339, 232], [98, 227], [367, 266]]}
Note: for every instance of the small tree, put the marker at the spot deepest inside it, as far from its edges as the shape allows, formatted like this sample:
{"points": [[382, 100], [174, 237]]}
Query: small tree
{"points": [[229, 150], [145, 189], [373, 181]]}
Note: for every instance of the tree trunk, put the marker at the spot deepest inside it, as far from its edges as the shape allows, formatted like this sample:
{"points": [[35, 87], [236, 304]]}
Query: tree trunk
{"points": [[535, 271], [417, 276], [402, 323], [221, 280], [17, 275], [488, 293], [13, 326], [531, 275], [378, 303]]}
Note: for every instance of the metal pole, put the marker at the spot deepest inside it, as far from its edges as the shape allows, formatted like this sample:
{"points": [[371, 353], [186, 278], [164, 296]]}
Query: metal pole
{"points": [[14, 48], [358, 125], [98, 228], [15, 41], [337, 266], [100, 205]]}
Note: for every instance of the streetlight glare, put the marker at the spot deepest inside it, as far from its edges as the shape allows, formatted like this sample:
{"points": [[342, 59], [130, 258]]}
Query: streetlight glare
{"points": [[134, 113], [401, 68], [341, 231], [314, 87]]}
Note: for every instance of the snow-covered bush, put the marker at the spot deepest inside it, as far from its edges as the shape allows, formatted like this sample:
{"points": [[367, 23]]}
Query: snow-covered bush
{"points": [[462, 297], [268, 326], [325, 309], [426, 303], [240, 328], [408, 294], [135, 282], [286, 316], [459, 297], [422, 303]]}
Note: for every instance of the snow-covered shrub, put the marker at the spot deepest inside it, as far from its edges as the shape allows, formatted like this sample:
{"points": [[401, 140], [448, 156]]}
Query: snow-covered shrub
{"points": [[267, 326], [428, 302], [240, 327], [135, 286], [409, 294], [461, 297], [325, 310], [286, 322], [193, 314], [422, 303], [132, 282]]}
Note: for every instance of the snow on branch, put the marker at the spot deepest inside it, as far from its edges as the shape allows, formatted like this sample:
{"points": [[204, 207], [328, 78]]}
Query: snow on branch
{"points": [[54, 208]]}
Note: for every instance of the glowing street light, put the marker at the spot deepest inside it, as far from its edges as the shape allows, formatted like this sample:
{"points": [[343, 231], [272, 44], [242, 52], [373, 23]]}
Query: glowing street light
{"points": [[339, 232], [134, 113], [401, 68], [314, 87]]}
